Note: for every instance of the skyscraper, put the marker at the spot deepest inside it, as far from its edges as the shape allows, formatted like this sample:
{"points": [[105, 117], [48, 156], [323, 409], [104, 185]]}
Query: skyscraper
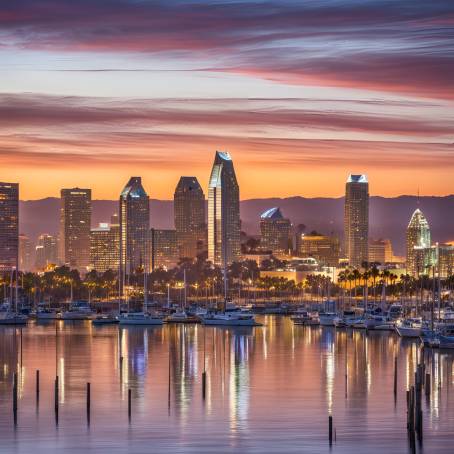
{"points": [[9, 225], [164, 247], [275, 231], [418, 238], [75, 219], [189, 212], [134, 226], [224, 225], [356, 220], [25, 253], [46, 251], [105, 246], [324, 249]]}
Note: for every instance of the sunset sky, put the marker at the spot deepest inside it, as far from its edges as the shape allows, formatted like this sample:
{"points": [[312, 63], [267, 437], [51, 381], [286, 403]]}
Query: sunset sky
{"points": [[301, 93]]}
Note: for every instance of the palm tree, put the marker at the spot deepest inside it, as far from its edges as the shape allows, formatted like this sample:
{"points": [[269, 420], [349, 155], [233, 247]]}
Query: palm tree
{"points": [[375, 273]]}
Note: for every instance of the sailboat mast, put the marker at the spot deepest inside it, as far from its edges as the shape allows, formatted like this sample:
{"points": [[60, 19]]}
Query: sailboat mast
{"points": [[185, 295]]}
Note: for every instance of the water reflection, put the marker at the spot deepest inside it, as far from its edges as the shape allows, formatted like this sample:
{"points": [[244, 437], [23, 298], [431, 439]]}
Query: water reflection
{"points": [[267, 389]]}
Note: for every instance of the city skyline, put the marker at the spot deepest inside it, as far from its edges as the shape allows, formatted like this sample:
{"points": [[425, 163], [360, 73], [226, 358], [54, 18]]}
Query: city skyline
{"points": [[355, 87]]}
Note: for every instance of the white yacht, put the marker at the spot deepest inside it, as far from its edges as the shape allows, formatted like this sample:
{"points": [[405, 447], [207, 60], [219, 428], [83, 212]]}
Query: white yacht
{"points": [[47, 313], [410, 327], [230, 319], [79, 310], [327, 318], [139, 318], [9, 317], [105, 319]]}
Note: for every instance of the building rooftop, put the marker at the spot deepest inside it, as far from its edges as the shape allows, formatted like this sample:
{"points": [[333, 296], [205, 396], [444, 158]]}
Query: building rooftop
{"points": [[134, 188], [357, 179], [272, 213]]}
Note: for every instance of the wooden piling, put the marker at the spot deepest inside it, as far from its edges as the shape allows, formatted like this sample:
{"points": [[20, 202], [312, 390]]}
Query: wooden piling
{"points": [[204, 376], [129, 404], [395, 377], [330, 429], [88, 402], [56, 399], [37, 385], [15, 398], [427, 386]]}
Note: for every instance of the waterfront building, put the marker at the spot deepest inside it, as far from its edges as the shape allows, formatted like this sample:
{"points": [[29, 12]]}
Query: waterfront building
{"points": [[105, 246], [75, 219], [9, 225], [46, 252], [164, 248], [275, 232], [381, 251], [356, 220], [134, 227], [25, 253], [189, 214], [325, 249], [418, 239], [224, 225]]}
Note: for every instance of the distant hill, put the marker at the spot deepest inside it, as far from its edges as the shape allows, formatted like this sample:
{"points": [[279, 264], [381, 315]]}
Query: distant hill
{"points": [[388, 216]]}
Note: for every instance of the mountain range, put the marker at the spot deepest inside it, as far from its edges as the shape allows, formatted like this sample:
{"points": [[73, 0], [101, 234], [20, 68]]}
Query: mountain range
{"points": [[388, 217]]}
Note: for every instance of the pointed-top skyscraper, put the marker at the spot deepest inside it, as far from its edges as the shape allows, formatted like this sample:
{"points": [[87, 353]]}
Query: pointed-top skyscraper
{"points": [[224, 223], [189, 211], [134, 226], [356, 220], [418, 237]]}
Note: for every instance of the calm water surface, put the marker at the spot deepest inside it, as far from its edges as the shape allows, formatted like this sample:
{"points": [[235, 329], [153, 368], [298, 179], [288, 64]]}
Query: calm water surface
{"points": [[269, 389]]}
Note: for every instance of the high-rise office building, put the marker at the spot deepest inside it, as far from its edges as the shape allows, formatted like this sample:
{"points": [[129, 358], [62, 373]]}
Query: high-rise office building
{"points": [[134, 227], [25, 253], [324, 249], [381, 251], [9, 226], [46, 253], [418, 238], [164, 248], [224, 225], [189, 212], [275, 232], [105, 246], [356, 220], [75, 219]]}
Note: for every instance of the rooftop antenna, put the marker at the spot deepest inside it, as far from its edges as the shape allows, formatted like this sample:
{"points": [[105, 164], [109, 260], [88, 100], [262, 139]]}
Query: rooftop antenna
{"points": [[418, 200]]}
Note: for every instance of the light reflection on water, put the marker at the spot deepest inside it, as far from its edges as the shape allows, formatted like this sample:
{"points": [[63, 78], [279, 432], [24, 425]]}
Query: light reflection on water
{"points": [[268, 389]]}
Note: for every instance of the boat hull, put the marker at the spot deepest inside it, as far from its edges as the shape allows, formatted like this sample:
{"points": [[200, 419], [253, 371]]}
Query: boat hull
{"points": [[408, 332], [144, 322]]}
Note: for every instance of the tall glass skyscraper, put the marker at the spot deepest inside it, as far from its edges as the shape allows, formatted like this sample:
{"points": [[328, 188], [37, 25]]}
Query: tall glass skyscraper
{"points": [[418, 240], [189, 212], [224, 223], [356, 220], [134, 227], [9, 225], [75, 220]]}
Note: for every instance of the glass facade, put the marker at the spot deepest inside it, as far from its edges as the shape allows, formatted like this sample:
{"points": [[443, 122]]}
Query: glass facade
{"points": [[418, 239], [275, 232], [134, 227], [105, 247], [46, 252], [356, 220], [9, 225], [189, 213], [75, 220], [224, 225]]}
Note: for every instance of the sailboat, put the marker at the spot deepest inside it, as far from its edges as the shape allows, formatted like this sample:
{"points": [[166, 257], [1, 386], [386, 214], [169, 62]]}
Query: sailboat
{"points": [[7, 316], [229, 318], [181, 316], [140, 318]]}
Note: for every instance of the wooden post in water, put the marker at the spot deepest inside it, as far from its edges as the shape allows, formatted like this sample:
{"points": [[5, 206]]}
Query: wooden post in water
{"points": [[15, 398], [395, 378], [427, 386], [56, 399], [204, 381], [129, 404], [37, 386], [88, 402], [21, 350], [330, 429]]}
